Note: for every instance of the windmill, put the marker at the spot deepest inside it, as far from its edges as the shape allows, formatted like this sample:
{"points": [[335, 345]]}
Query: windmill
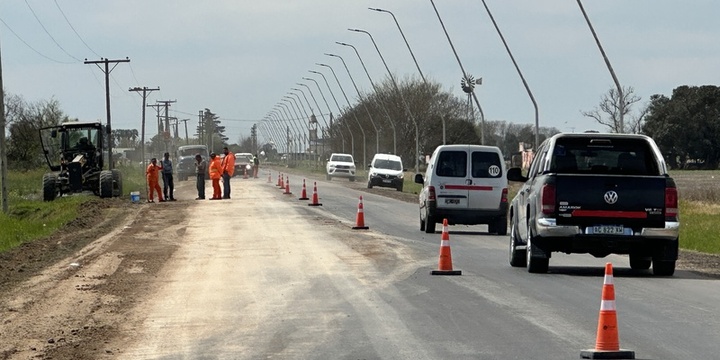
{"points": [[468, 83]]}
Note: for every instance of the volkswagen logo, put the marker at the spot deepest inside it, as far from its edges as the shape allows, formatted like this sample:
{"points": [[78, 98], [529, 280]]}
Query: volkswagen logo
{"points": [[611, 197]]}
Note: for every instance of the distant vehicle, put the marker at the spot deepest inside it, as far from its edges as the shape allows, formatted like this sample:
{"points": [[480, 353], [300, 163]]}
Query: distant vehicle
{"points": [[185, 155], [74, 154], [340, 165], [243, 163], [386, 170], [599, 194], [464, 184]]}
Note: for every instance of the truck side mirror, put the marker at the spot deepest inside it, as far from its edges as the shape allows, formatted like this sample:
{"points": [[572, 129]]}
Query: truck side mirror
{"points": [[419, 179], [515, 174]]}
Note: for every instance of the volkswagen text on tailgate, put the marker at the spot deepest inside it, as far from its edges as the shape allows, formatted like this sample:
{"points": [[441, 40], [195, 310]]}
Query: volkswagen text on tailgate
{"points": [[599, 194]]}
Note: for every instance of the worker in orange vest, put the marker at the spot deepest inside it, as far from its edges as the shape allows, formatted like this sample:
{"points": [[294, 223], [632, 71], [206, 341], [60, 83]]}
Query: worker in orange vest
{"points": [[215, 175], [153, 179], [228, 169]]}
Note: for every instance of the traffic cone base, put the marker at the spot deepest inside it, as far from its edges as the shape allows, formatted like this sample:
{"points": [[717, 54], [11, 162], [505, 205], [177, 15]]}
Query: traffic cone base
{"points": [[287, 187], [607, 343], [360, 219], [315, 201], [303, 194], [445, 262]]}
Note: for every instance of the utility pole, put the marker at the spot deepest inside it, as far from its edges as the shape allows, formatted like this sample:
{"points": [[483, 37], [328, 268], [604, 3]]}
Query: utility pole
{"points": [[201, 128], [3, 153], [166, 134], [107, 71], [187, 141], [145, 92]]}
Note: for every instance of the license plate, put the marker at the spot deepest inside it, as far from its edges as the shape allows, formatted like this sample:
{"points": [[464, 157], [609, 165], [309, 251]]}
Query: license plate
{"points": [[387, 181], [607, 230], [452, 201]]}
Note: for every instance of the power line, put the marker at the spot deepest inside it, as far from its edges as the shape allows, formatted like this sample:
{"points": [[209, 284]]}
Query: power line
{"points": [[73, 28], [47, 32], [30, 47]]}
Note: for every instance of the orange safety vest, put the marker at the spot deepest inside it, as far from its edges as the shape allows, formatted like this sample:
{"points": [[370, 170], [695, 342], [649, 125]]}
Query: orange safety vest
{"points": [[228, 163], [215, 168]]}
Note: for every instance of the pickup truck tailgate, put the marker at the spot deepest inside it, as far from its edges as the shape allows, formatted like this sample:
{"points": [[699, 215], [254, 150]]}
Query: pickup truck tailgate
{"points": [[620, 200]]}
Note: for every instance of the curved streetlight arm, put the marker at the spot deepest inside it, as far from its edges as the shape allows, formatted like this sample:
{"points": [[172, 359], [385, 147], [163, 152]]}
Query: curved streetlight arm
{"points": [[327, 124], [352, 136]]}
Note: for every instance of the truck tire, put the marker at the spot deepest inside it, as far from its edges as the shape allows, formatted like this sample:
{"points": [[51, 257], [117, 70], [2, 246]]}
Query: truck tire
{"points": [[50, 190], [663, 267], [117, 183], [399, 188], [638, 262], [369, 185], [517, 257], [502, 226], [536, 260], [352, 178], [328, 177], [106, 184], [663, 260]]}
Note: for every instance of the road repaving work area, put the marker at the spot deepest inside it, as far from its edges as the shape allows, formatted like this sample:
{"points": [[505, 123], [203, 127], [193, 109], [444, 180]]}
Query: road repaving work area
{"points": [[263, 275]]}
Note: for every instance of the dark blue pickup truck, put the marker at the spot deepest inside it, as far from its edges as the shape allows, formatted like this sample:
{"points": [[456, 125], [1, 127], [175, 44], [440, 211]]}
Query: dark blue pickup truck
{"points": [[599, 194]]}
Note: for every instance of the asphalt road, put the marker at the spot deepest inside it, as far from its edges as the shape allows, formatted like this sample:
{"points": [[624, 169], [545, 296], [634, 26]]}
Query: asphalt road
{"points": [[289, 281]]}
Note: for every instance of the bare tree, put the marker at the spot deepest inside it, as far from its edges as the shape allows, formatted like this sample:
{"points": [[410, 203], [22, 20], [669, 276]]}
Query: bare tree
{"points": [[608, 111]]}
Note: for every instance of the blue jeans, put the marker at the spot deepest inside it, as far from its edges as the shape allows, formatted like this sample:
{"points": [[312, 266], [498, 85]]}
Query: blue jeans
{"points": [[201, 185], [226, 185]]}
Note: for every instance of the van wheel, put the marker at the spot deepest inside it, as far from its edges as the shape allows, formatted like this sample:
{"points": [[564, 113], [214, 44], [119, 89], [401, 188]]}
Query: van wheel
{"points": [[400, 188], [328, 177], [369, 185], [501, 226], [422, 224], [429, 224], [352, 178]]}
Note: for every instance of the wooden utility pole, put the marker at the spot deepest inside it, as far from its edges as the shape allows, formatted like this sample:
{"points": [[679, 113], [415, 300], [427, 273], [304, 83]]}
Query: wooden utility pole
{"points": [[166, 104], [187, 141], [145, 92], [3, 153], [107, 71]]}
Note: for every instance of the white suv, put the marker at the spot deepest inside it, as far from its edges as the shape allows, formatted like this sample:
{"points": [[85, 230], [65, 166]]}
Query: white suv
{"points": [[340, 165]]}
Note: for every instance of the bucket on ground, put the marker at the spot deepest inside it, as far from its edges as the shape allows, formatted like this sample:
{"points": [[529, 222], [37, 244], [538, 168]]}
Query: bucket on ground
{"points": [[135, 196]]}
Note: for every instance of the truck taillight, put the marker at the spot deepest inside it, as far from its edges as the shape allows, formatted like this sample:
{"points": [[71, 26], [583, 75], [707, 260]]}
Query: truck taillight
{"points": [[503, 199], [671, 202], [547, 196], [431, 193]]}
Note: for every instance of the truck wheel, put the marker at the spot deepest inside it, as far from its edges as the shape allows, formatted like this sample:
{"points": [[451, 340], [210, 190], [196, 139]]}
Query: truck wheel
{"points": [[429, 224], [352, 178], [400, 188], [106, 184], [422, 223], [517, 257], [369, 185], [663, 260], [328, 177], [50, 189], [638, 262], [536, 261], [492, 228], [117, 183], [663, 267]]}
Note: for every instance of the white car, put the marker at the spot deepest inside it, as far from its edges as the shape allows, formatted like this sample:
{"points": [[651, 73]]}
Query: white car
{"points": [[387, 171], [340, 165]]}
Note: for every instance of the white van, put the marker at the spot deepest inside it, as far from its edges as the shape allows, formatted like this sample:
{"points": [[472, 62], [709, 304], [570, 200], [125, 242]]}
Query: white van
{"points": [[464, 184], [386, 170]]}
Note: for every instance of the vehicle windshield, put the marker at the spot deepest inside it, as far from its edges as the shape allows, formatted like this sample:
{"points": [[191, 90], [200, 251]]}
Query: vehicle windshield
{"points": [[452, 164], [341, 158], [388, 164], [603, 156], [192, 152]]}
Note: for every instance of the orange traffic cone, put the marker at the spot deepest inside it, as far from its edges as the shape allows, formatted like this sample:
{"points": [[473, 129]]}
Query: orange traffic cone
{"points": [[315, 201], [269, 177], [287, 186], [360, 219], [607, 344], [445, 263], [279, 183], [303, 194]]}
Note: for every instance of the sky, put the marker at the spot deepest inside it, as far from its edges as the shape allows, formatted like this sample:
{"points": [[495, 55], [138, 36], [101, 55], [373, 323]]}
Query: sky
{"points": [[240, 57]]}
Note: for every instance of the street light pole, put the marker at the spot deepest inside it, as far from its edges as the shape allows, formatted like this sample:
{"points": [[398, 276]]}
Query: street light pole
{"points": [[377, 132], [352, 137], [307, 127], [292, 133], [362, 131], [377, 93], [442, 118], [288, 105], [312, 120], [402, 98], [465, 75], [527, 88], [621, 100], [327, 126]]}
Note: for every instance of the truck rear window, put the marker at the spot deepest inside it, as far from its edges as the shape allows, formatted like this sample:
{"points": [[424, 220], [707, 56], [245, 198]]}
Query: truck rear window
{"points": [[603, 156]]}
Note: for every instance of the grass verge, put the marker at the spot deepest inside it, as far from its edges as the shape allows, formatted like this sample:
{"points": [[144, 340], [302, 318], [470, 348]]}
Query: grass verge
{"points": [[698, 229]]}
